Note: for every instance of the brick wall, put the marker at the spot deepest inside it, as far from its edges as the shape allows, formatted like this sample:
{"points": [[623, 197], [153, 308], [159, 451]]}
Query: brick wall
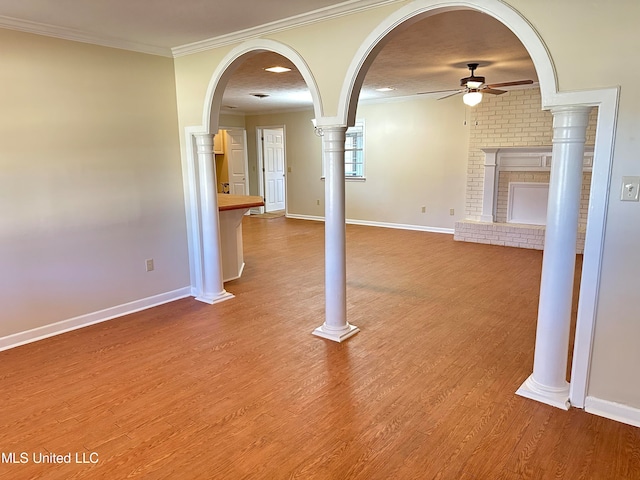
{"points": [[514, 119]]}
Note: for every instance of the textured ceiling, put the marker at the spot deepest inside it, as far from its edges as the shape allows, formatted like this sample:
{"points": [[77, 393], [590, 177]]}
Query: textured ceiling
{"points": [[157, 23], [432, 54], [428, 55]]}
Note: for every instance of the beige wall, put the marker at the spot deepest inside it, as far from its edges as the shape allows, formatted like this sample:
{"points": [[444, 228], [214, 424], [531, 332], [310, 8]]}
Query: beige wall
{"points": [[90, 180], [303, 158], [415, 156], [91, 183], [567, 30]]}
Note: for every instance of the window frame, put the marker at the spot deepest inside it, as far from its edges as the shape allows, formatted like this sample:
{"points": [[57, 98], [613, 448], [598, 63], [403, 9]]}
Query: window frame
{"points": [[359, 126]]}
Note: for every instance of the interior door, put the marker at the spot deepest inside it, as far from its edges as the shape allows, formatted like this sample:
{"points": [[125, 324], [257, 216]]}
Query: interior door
{"points": [[274, 174], [237, 161]]}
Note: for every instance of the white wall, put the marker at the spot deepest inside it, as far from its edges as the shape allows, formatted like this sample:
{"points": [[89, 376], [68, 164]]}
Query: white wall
{"points": [[415, 155], [90, 180]]}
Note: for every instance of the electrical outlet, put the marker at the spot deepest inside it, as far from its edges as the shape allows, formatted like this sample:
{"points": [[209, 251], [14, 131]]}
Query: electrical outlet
{"points": [[317, 202], [149, 264], [452, 211], [424, 209], [630, 189]]}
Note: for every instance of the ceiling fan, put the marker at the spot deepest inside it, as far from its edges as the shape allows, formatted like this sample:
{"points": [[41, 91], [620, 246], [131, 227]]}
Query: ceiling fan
{"points": [[474, 87]]}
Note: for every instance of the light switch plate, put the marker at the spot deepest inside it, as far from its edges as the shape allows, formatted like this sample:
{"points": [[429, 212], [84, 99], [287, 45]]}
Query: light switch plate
{"points": [[630, 189]]}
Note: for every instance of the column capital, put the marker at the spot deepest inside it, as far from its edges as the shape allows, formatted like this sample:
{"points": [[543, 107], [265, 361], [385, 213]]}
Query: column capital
{"points": [[571, 109], [570, 123], [204, 143]]}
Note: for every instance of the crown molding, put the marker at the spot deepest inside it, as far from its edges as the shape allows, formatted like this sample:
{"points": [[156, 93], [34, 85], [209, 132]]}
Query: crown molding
{"points": [[334, 11], [80, 36]]}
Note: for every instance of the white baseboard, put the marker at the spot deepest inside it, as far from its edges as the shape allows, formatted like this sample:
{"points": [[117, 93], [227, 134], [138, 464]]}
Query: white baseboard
{"points": [[39, 333], [614, 411], [304, 217], [368, 223]]}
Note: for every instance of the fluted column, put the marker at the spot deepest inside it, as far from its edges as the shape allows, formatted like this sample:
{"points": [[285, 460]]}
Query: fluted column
{"points": [[335, 327], [212, 286], [548, 382]]}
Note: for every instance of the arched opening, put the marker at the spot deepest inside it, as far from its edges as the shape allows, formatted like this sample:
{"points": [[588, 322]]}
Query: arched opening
{"points": [[221, 104], [549, 98]]}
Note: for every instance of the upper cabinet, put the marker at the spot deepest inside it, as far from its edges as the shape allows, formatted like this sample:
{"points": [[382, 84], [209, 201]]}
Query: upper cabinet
{"points": [[218, 143]]}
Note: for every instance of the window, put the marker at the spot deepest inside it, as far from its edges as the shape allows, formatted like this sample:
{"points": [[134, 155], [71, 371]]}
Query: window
{"points": [[353, 153]]}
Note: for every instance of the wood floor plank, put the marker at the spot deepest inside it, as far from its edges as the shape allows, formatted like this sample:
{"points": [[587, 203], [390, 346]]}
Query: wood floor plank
{"points": [[242, 390]]}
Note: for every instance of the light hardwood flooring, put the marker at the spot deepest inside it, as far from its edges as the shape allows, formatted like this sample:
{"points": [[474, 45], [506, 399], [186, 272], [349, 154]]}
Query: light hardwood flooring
{"points": [[242, 390]]}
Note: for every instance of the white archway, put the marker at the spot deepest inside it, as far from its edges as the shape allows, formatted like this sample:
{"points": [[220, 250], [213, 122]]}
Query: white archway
{"points": [[199, 174], [605, 99], [224, 70]]}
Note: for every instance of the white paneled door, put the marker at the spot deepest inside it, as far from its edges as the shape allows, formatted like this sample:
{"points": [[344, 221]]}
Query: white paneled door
{"points": [[274, 165], [238, 162]]}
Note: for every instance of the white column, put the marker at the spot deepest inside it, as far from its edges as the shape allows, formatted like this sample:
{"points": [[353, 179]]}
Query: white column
{"points": [[335, 327], [489, 184], [548, 382], [212, 287]]}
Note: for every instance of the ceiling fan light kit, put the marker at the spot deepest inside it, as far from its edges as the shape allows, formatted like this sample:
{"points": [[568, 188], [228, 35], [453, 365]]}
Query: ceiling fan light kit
{"points": [[472, 98], [473, 87]]}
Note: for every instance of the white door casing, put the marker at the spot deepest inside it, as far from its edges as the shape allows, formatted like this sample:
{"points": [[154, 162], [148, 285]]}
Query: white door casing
{"points": [[274, 169], [238, 161]]}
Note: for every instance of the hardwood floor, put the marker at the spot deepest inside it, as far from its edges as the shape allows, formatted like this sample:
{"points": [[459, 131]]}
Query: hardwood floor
{"points": [[243, 390]]}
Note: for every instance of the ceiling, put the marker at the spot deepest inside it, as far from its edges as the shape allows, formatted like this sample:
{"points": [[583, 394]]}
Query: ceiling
{"points": [[428, 55], [157, 25]]}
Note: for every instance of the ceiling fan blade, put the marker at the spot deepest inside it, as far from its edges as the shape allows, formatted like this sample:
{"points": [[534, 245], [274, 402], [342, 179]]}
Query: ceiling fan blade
{"points": [[510, 84], [452, 94], [493, 91], [439, 91]]}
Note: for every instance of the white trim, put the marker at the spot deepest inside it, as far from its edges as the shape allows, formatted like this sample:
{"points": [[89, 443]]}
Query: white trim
{"points": [[192, 210], [401, 226], [213, 98], [333, 11], [260, 158], [46, 331], [315, 16], [513, 189], [614, 411], [605, 99], [607, 102], [369, 223], [419, 9], [80, 36], [210, 123], [532, 390], [296, 216], [339, 336]]}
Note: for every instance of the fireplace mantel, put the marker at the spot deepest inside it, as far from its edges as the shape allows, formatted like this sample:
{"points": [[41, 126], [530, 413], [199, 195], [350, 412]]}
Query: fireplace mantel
{"points": [[529, 159]]}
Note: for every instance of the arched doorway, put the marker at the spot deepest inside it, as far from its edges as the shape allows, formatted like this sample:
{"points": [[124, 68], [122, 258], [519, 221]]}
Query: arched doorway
{"points": [[569, 110], [200, 183]]}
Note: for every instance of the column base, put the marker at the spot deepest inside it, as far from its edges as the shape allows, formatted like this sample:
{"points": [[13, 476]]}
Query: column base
{"points": [[336, 335], [556, 397], [211, 299]]}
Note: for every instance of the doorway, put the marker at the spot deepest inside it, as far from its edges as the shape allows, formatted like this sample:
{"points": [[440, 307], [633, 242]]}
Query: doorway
{"points": [[236, 151], [272, 167]]}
